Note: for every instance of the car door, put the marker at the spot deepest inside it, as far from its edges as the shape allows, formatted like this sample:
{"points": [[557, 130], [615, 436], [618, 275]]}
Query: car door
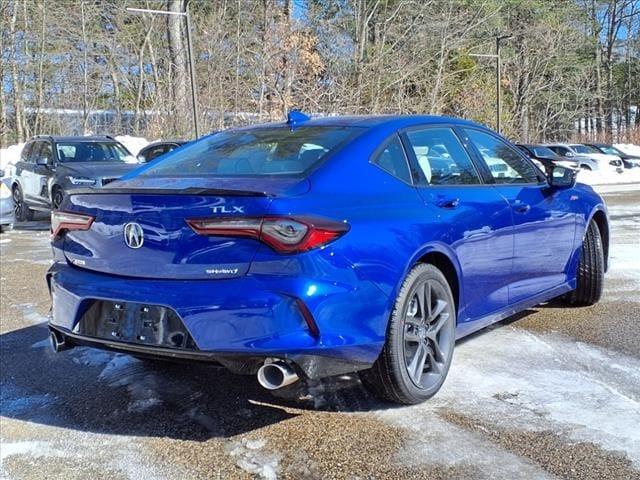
{"points": [[36, 189], [544, 225], [472, 218], [28, 179]]}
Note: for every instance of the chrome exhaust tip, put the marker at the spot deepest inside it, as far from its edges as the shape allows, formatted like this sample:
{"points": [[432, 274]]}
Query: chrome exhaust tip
{"points": [[276, 374], [57, 342]]}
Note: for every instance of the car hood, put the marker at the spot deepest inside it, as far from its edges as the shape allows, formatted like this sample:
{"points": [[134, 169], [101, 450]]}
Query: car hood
{"points": [[96, 169], [604, 157]]}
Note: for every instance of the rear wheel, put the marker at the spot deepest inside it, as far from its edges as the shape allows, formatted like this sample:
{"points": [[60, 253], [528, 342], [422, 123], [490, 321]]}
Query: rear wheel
{"points": [[417, 354], [23, 212], [590, 276]]}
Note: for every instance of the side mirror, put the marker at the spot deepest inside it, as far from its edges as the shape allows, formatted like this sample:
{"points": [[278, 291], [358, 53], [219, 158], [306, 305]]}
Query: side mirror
{"points": [[569, 155], [141, 159], [43, 161], [561, 177]]}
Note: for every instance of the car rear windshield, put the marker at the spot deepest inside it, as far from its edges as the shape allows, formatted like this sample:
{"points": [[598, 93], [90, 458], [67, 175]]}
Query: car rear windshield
{"points": [[260, 151], [93, 152]]}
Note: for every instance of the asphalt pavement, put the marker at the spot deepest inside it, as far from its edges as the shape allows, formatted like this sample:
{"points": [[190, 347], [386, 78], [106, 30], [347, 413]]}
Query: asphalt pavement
{"points": [[553, 392]]}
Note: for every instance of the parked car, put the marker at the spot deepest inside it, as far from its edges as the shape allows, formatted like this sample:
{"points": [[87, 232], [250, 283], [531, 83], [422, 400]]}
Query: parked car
{"points": [[589, 158], [547, 157], [629, 161], [324, 246], [7, 208], [156, 149], [50, 166]]}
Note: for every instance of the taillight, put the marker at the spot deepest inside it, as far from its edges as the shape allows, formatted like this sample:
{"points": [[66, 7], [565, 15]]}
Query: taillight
{"points": [[283, 234], [65, 221]]}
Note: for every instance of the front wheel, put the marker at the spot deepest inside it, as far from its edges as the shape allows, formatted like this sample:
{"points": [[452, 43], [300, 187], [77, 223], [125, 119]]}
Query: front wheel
{"points": [[56, 198], [418, 350], [590, 276], [22, 211]]}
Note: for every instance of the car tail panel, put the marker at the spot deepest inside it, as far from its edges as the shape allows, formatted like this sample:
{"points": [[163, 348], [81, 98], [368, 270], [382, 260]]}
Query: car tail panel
{"points": [[146, 234]]}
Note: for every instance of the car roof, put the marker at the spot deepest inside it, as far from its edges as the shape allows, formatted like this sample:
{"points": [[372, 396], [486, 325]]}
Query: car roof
{"points": [[368, 121], [89, 138]]}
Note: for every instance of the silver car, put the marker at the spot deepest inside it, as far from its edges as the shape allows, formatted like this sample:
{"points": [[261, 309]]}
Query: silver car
{"points": [[7, 207]]}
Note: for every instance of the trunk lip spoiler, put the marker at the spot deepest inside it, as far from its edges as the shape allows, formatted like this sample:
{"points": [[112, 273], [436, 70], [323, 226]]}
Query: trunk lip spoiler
{"points": [[170, 191]]}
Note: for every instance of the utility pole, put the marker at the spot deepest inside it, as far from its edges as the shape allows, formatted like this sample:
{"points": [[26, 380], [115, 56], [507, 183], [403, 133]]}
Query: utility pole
{"points": [[499, 38], [192, 70]]}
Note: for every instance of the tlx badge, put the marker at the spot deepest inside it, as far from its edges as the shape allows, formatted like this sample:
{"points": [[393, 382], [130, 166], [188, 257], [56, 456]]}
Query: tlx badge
{"points": [[225, 209]]}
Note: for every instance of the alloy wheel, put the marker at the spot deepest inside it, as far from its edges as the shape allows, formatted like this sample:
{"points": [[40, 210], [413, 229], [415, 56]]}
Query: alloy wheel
{"points": [[17, 203], [426, 342]]}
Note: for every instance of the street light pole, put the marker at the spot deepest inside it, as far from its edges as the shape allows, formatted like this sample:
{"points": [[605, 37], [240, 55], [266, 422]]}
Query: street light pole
{"points": [[192, 70], [498, 77], [499, 38]]}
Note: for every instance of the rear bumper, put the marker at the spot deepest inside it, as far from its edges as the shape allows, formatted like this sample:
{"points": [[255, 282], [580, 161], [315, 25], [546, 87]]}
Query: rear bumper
{"points": [[256, 316]]}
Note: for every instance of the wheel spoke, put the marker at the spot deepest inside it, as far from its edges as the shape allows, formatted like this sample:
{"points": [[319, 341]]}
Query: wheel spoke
{"points": [[437, 351], [439, 308], [416, 366], [427, 301], [436, 327]]}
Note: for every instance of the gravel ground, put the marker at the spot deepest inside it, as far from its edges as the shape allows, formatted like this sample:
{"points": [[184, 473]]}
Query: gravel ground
{"points": [[551, 393]]}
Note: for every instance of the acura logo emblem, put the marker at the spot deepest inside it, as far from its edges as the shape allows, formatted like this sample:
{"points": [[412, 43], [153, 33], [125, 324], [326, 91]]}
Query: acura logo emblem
{"points": [[133, 236]]}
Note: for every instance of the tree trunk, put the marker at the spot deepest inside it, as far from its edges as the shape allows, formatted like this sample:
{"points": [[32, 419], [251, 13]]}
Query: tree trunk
{"points": [[177, 51]]}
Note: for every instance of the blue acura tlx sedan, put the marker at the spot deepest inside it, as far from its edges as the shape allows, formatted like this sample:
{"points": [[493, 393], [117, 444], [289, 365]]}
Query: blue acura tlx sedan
{"points": [[317, 247]]}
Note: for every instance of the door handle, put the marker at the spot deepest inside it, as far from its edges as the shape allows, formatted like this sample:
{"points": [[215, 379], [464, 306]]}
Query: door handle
{"points": [[522, 207], [448, 202]]}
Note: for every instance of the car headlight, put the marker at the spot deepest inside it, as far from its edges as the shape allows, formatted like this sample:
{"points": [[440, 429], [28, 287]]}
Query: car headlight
{"points": [[82, 180], [4, 191]]}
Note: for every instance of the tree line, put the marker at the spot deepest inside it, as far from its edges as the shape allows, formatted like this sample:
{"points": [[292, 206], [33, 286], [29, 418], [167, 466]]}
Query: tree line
{"points": [[570, 68]]}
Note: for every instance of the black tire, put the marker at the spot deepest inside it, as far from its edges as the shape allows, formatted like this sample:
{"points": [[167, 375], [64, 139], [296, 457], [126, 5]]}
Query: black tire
{"points": [[23, 212], [57, 195], [590, 275], [586, 167], [390, 378]]}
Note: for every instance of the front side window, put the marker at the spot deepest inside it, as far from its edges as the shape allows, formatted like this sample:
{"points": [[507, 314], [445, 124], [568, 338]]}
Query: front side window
{"points": [[584, 149], [46, 152], [441, 157], [505, 164], [93, 152], [260, 151], [393, 160]]}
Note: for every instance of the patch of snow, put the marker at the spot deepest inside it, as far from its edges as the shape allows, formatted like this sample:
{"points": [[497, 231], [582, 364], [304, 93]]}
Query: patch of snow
{"points": [[142, 385], [252, 459], [628, 148], [133, 144], [516, 379], [10, 156], [31, 448], [91, 357], [42, 344], [609, 177]]}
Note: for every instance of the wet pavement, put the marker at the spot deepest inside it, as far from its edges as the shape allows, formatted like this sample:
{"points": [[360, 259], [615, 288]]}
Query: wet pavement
{"points": [[551, 393]]}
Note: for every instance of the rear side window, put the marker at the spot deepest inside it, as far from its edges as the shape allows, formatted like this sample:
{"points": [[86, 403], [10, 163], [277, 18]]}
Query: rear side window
{"points": [[393, 160], [505, 164], [263, 151], [442, 158]]}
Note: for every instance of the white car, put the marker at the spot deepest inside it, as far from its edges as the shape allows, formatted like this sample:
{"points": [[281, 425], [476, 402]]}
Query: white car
{"points": [[589, 158]]}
